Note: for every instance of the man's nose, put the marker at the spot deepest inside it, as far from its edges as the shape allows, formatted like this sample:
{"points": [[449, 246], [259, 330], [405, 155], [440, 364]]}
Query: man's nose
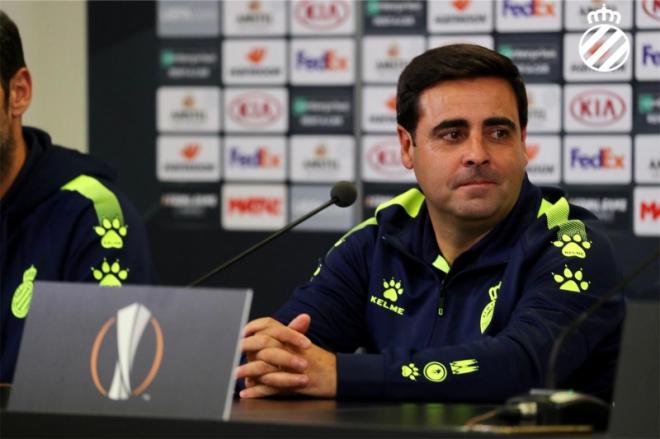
{"points": [[476, 153]]}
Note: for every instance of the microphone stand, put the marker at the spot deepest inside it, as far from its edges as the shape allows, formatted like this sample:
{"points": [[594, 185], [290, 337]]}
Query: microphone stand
{"points": [[268, 239]]}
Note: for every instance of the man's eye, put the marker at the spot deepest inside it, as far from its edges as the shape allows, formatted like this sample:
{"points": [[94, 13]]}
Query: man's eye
{"points": [[452, 135], [500, 133]]}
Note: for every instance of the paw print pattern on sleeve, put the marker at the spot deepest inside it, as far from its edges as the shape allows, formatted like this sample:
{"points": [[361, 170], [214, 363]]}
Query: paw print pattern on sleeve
{"points": [[112, 233], [110, 275], [573, 246], [570, 280]]}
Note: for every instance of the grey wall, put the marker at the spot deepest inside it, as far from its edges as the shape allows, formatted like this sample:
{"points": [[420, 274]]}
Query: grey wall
{"points": [[54, 37]]}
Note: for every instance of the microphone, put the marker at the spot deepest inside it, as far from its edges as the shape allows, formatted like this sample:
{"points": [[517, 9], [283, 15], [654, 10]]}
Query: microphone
{"points": [[342, 194], [551, 406]]}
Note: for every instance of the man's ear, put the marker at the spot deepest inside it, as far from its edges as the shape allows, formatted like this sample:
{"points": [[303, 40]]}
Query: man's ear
{"points": [[523, 141], [407, 146], [20, 92]]}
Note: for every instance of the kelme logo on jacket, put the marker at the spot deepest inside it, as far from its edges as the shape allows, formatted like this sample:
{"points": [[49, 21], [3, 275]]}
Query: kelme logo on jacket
{"points": [[392, 289], [572, 281], [110, 275], [112, 233], [20, 303], [489, 309], [573, 246]]}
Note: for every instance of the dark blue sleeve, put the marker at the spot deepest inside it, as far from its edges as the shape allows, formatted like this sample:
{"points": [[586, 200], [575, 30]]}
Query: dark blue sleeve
{"points": [[334, 296], [109, 253], [515, 359], [490, 369]]}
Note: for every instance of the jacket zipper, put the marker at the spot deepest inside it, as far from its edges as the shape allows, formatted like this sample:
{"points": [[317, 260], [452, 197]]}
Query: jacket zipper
{"points": [[443, 290], [441, 298]]}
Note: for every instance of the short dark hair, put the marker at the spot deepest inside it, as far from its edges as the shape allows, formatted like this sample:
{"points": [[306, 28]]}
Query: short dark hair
{"points": [[455, 61], [11, 52]]}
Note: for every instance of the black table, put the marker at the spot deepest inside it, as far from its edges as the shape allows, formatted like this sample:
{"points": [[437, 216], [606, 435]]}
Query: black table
{"points": [[269, 418]]}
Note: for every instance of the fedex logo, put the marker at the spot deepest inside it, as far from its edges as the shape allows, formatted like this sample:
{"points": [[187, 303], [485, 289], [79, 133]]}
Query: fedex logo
{"points": [[261, 158], [328, 60], [603, 159], [531, 8], [649, 56]]}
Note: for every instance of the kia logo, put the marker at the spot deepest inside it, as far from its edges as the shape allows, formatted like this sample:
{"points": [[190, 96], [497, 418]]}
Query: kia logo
{"points": [[255, 109], [322, 15], [130, 324], [598, 108], [385, 158]]}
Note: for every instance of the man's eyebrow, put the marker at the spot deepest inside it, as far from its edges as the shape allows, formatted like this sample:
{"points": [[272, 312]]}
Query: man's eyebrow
{"points": [[494, 121], [449, 123]]}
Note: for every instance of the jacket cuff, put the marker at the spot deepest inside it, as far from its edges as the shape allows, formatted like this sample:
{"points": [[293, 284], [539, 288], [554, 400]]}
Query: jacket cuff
{"points": [[360, 376]]}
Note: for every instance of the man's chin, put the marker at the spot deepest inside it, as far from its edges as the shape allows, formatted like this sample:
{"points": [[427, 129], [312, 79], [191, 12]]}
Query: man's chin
{"points": [[476, 211]]}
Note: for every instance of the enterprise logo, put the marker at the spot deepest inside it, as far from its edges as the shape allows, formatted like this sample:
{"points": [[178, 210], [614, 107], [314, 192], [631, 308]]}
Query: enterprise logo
{"points": [[130, 324]]}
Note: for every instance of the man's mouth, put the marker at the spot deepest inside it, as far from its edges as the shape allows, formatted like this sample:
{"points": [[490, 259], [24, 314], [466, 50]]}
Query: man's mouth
{"points": [[476, 183]]}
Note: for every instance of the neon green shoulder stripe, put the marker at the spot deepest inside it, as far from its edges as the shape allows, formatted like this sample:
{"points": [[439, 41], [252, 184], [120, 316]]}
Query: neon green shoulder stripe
{"points": [[557, 215], [105, 202], [411, 200], [370, 222]]}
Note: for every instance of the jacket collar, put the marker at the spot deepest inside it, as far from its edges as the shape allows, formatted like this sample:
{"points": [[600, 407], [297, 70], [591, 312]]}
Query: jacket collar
{"points": [[417, 238]]}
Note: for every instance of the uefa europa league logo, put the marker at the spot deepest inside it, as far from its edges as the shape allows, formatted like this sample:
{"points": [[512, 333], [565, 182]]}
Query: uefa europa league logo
{"points": [[130, 324], [604, 47]]}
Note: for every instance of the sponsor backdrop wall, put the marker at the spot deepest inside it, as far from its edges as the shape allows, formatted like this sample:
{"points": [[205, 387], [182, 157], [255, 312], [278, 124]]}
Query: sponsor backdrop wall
{"points": [[229, 119]]}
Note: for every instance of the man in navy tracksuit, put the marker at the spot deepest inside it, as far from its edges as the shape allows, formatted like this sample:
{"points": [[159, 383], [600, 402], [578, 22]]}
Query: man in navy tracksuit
{"points": [[457, 290], [61, 218]]}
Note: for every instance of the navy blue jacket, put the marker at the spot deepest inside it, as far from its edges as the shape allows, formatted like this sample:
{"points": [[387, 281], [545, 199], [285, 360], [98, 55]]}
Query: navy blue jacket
{"points": [[480, 330], [62, 220]]}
